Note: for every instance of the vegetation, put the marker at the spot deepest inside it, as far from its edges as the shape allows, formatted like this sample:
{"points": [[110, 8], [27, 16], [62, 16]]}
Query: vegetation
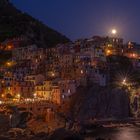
{"points": [[122, 63], [14, 23], [4, 57]]}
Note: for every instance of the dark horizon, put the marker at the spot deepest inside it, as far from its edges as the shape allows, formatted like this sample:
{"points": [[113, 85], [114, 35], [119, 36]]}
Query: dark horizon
{"points": [[86, 18]]}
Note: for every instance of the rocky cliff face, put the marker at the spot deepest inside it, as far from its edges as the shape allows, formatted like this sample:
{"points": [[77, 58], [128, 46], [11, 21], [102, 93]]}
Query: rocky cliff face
{"points": [[102, 103], [4, 123]]}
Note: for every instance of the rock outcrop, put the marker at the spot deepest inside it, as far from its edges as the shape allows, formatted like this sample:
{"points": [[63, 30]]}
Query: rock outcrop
{"points": [[102, 103]]}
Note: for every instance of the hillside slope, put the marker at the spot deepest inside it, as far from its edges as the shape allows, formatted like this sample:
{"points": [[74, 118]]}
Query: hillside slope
{"points": [[14, 23]]}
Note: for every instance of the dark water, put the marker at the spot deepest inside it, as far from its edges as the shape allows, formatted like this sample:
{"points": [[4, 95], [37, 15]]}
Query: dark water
{"points": [[122, 133]]}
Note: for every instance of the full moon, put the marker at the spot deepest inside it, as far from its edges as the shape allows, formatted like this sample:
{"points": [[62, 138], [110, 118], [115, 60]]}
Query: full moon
{"points": [[114, 31]]}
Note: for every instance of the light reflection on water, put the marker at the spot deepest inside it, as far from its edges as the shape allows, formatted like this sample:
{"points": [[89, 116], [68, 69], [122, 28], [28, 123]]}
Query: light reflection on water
{"points": [[123, 133]]}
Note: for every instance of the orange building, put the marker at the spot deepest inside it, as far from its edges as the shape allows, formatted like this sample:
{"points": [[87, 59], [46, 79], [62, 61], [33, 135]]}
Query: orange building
{"points": [[56, 96], [22, 89]]}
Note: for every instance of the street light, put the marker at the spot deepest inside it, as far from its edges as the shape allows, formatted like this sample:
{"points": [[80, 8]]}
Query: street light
{"points": [[18, 96], [108, 52], [82, 71], [1, 102], [52, 74], [35, 95], [8, 64], [124, 81], [2, 95]]}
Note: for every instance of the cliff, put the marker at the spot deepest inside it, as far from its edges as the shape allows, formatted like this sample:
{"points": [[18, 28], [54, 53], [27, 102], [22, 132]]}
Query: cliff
{"points": [[98, 102]]}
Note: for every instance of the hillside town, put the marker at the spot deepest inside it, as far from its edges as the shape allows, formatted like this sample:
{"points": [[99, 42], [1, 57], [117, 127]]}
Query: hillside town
{"points": [[44, 81], [54, 86], [55, 73]]}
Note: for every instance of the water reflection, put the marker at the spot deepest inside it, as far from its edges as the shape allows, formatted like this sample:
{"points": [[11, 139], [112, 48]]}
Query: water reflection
{"points": [[123, 133]]}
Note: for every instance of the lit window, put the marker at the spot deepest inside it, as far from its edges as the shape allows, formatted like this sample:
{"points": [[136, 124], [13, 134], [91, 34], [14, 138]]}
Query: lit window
{"points": [[69, 91], [63, 96]]}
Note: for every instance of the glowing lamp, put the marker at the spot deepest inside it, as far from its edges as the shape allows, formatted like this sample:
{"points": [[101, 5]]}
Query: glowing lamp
{"points": [[53, 74], [82, 71], [108, 51], [35, 95], [2, 95], [124, 82], [9, 47], [18, 95]]}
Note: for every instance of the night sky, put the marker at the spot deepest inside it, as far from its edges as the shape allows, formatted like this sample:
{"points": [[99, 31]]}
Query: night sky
{"points": [[85, 18]]}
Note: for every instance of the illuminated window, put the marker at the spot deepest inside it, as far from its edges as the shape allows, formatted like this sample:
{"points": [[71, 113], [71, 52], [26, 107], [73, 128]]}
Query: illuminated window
{"points": [[69, 91], [63, 96]]}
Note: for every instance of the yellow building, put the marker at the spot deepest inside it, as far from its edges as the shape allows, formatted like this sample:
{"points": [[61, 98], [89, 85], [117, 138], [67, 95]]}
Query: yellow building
{"points": [[44, 90]]}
